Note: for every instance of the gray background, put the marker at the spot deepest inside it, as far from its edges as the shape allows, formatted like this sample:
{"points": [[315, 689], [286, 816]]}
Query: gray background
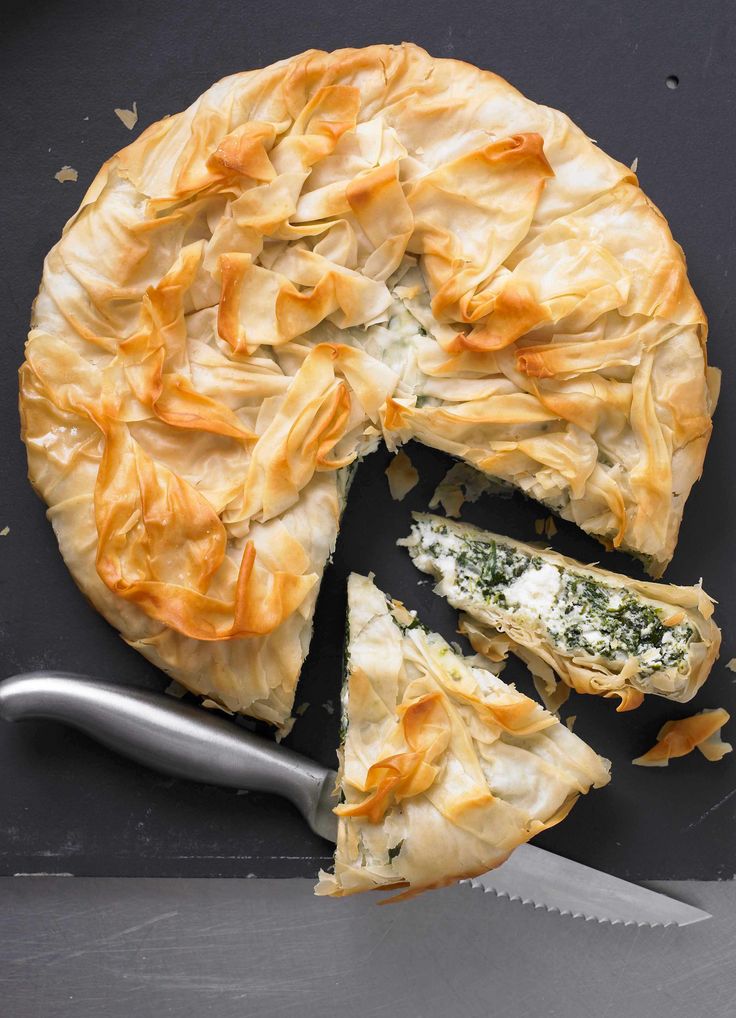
{"points": [[268, 949], [66, 806]]}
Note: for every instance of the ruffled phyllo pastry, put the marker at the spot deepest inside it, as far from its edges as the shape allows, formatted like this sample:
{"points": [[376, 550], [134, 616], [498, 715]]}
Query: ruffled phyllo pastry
{"points": [[444, 768], [597, 631], [340, 248]]}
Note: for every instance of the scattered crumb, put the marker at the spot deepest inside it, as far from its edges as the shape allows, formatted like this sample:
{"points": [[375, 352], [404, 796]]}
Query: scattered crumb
{"points": [[329, 706], [4, 532], [85, 118], [128, 117], [570, 722], [283, 730], [302, 709], [678, 738], [213, 705], [175, 689], [450, 498], [547, 526], [402, 476], [635, 164], [731, 665], [242, 791], [461, 483], [66, 173]]}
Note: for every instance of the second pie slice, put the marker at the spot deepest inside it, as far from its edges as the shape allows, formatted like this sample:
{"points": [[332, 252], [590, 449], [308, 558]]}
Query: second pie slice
{"points": [[444, 768], [598, 631]]}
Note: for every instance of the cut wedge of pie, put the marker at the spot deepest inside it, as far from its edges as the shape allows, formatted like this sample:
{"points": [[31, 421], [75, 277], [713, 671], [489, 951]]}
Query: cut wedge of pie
{"points": [[597, 631], [337, 249], [444, 768]]}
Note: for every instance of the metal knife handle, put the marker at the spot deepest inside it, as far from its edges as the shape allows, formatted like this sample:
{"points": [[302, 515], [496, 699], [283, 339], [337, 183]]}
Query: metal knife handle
{"points": [[173, 738]]}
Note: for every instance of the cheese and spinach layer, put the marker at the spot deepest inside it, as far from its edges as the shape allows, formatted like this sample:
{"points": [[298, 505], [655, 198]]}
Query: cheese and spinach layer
{"points": [[579, 613]]}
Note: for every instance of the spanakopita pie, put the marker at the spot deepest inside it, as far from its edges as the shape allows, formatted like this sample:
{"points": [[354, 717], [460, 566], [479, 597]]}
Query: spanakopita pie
{"points": [[598, 631], [338, 248], [444, 768]]}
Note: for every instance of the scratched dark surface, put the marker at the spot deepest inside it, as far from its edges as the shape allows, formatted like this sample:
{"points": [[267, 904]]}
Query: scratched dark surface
{"points": [[67, 805]]}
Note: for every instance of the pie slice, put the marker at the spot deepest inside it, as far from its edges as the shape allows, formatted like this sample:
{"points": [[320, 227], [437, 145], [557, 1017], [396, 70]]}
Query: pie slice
{"points": [[337, 249], [597, 631], [444, 768]]}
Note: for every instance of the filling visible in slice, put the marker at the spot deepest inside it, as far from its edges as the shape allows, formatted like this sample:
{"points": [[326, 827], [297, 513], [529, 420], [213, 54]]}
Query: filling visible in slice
{"points": [[444, 768], [599, 631]]}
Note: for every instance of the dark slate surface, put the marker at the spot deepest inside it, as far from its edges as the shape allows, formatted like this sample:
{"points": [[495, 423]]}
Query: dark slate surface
{"points": [[67, 805]]}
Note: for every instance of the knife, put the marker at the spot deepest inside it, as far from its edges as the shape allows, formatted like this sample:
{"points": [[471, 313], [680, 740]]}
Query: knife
{"points": [[186, 741]]}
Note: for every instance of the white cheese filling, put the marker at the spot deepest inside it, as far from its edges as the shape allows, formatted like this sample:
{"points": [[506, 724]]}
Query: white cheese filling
{"points": [[535, 591], [577, 613]]}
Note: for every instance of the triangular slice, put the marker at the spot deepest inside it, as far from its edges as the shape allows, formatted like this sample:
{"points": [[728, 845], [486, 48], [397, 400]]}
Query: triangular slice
{"points": [[598, 631], [444, 768]]}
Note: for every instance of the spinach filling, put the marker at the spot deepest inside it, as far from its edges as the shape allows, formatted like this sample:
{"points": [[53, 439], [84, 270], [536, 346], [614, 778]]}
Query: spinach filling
{"points": [[586, 616], [345, 679], [608, 622]]}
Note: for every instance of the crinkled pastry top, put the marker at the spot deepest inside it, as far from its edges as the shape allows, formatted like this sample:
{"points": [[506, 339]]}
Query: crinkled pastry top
{"points": [[445, 769], [340, 247]]}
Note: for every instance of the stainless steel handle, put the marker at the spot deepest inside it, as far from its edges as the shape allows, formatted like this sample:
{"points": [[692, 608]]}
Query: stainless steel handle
{"points": [[174, 738]]}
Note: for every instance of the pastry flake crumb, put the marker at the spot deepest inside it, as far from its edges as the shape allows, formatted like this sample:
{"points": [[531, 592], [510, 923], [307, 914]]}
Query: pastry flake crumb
{"points": [[678, 738], [213, 705], [635, 164], [461, 484], [176, 690], [302, 709], [67, 174], [731, 665], [402, 476], [328, 706], [547, 526], [570, 722], [283, 730], [4, 532], [128, 117]]}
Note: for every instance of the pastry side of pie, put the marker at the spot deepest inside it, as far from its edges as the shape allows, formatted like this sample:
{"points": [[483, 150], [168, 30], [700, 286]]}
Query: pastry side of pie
{"points": [[444, 768], [339, 249]]}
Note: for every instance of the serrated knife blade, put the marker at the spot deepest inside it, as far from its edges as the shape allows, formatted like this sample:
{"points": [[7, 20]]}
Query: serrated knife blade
{"points": [[539, 878], [188, 742]]}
